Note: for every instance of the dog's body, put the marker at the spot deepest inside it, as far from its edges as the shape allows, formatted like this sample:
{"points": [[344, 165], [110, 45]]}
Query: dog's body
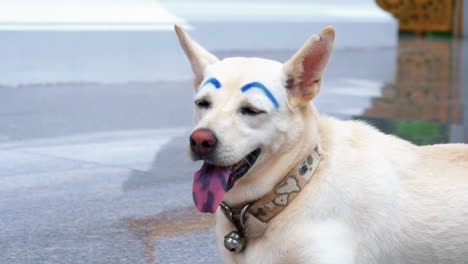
{"points": [[373, 199]]}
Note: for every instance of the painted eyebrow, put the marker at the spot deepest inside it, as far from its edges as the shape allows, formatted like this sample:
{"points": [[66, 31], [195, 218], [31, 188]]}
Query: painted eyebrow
{"points": [[213, 81], [262, 87]]}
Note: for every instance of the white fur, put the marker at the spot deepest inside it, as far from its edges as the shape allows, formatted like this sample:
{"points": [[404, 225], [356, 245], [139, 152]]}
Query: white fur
{"points": [[374, 198]]}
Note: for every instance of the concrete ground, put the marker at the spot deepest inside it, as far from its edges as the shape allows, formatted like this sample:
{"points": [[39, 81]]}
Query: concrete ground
{"points": [[94, 127]]}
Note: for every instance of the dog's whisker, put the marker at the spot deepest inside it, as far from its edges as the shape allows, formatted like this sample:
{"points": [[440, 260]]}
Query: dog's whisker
{"points": [[248, 162]]}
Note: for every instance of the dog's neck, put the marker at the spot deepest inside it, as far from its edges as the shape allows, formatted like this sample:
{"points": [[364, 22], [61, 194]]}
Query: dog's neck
{"points": [[265, 177]]}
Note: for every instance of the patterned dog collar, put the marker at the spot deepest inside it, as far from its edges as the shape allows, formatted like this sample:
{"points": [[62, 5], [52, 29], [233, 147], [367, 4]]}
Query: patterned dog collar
{"points": [[251, 219]]}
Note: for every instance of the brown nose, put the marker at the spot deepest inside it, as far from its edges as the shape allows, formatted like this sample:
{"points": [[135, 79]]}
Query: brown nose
{"points": [[202, 142]]}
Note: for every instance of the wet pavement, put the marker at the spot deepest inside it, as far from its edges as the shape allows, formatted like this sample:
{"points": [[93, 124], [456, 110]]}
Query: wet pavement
{"points": [[97, 171]]}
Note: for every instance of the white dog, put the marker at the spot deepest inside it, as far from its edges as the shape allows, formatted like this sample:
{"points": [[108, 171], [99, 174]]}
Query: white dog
{"points": [[298, 187]]}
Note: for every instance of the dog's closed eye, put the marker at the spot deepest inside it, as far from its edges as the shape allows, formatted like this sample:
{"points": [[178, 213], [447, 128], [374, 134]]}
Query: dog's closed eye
{"points": [[203, 103], [250, 110]]}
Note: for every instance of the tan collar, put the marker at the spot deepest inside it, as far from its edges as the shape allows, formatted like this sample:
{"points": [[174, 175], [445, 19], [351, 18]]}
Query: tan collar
{"points": [[251, 219]]}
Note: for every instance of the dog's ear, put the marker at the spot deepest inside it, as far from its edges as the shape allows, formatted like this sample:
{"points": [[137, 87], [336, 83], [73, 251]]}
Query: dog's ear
{"points": [[198, 56], [304, 70]]}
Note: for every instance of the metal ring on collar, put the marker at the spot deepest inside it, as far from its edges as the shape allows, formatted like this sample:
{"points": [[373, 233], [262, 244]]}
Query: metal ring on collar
{"points": [[225, 207], [242, 215], [229, 213]]}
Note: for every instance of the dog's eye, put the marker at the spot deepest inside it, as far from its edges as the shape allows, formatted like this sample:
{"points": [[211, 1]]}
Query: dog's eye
{"points": [[249, 110], [203, 103]]}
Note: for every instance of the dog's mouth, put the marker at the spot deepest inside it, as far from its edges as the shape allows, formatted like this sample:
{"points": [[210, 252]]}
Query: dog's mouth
{"points": [[211, 182]]}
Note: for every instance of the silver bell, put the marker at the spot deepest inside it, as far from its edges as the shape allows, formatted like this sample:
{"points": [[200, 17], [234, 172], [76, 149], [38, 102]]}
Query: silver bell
{"points": [[234, 242]]}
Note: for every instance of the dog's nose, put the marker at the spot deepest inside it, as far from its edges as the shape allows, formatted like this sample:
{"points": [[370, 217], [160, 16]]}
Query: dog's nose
{"points": [[203, 142]]}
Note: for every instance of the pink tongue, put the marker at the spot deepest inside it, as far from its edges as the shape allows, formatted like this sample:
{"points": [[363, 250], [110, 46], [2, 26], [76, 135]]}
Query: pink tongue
{"points": [[209, 186]]}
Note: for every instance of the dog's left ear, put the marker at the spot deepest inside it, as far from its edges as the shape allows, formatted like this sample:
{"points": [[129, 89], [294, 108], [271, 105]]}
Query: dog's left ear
{"points": [[305, 69], [198, 56]]}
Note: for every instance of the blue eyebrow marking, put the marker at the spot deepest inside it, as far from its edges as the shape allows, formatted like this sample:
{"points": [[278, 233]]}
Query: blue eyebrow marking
{"points": [[213, 81], [262, 87]]}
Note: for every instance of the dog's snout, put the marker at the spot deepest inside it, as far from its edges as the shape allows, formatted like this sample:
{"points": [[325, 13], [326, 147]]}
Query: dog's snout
{"points": [[203, 142]]}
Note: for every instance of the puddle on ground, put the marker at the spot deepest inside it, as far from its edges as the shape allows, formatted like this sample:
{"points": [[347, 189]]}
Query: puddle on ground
{"points": [[168, 224]]}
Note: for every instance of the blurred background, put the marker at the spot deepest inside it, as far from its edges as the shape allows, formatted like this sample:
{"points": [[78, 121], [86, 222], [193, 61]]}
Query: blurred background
{"points": [[96, 107]]}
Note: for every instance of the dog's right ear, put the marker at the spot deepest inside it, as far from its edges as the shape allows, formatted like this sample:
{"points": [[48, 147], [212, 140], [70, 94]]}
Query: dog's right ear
{"points": [[198, 56]]}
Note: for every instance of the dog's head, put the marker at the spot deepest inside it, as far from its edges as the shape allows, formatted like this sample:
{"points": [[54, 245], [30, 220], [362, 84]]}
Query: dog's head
{"points": [[248, 110]]}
